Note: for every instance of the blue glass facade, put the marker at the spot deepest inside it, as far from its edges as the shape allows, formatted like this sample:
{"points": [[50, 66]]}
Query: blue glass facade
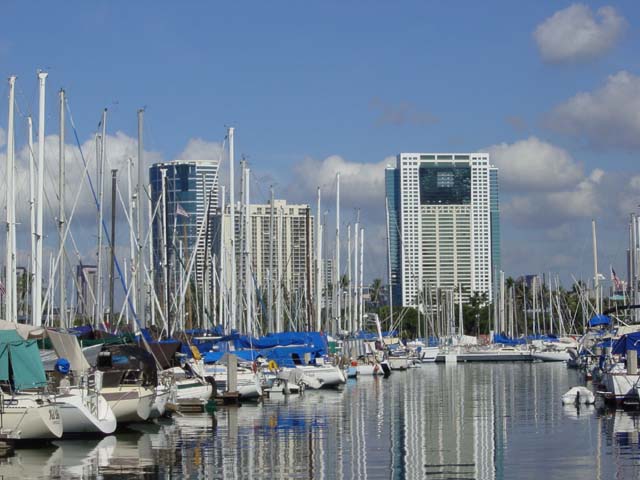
{"points": [[184, 179], [494, 206], [392, 189]]}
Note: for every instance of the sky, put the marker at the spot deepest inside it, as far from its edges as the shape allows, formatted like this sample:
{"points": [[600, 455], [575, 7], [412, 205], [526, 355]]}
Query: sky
{"points": [[551, 89]]}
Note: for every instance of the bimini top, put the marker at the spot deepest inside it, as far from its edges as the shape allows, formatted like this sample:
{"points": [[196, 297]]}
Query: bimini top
{"points": [[20, 361], [599, 320]]}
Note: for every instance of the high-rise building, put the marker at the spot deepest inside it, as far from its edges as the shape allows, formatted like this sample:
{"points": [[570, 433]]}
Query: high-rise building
{"points": [[287, 241], [191, 196], [86, 289], [444, 224]]}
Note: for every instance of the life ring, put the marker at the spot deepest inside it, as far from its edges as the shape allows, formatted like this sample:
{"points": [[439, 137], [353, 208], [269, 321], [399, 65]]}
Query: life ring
{"points": [[273, 366]]}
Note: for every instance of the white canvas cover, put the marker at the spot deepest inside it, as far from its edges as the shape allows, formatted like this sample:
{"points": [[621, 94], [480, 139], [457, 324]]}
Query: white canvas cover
{"points": [[67, 346]]}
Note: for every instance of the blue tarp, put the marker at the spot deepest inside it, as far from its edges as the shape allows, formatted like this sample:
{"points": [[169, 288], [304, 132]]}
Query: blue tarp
{"points": [[246, 355], [630, 341], [315, 339], [599, 320]]}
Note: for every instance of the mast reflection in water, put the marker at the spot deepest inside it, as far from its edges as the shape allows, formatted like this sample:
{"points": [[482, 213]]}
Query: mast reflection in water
{"points": [[437, 421]]}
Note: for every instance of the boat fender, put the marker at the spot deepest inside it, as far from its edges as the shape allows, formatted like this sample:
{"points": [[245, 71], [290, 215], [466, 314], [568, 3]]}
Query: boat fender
{"points": [[273, 366], [196, 353]]}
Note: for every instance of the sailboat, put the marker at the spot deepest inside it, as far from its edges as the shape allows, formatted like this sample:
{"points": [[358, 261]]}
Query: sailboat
{"points": [[83, 408], [27, 411]]}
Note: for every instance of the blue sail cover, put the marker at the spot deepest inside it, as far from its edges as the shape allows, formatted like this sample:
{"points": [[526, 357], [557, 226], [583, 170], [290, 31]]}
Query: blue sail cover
{"points": [[630, 341], [313, 339], [599, 320]]}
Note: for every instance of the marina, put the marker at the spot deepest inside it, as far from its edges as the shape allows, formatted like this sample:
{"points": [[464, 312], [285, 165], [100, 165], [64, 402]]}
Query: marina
{"points": [[496, 421]]}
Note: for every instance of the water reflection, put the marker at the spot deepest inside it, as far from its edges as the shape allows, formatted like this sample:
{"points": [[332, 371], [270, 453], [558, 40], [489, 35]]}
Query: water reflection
{"points": [[461, 421]]}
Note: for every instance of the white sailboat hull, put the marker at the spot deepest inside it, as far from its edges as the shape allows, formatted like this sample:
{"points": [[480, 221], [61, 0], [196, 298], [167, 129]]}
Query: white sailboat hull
{"points": [[551, 356], [130, 403], [163, 393], [85, 413], [398, 363], [24, 419], [621, 385]]}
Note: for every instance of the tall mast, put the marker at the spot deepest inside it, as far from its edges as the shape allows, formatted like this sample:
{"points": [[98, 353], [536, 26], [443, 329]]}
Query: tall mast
{"points": [[232, 233], [336, 267], [386, 207], [32, 207], [349, 298], [112, 263], [133, 251], [38, 235], [318, 264], [361, 317], [140, 203], [596, 280], [270, 276], [248, 283], [10, 266], [165, 250], [103, 140], [61, 214], [222, 259], [356, 271], [280, 237]]}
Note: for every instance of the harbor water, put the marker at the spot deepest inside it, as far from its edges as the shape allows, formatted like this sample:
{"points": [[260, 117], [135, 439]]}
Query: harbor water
{"points": [[472, 421]]}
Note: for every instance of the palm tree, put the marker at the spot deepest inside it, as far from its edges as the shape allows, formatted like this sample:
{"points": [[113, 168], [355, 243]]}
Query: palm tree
{"points": [[375, 289]]}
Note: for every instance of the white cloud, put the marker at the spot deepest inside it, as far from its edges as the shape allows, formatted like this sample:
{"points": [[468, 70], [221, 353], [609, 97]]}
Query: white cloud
{"points": [[534, 165], [576, 34], [199, 149], [606, 117], [361, 184]]}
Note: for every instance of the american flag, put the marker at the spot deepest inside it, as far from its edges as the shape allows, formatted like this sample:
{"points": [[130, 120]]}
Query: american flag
{"points": [[616, 281], [181, 211]]}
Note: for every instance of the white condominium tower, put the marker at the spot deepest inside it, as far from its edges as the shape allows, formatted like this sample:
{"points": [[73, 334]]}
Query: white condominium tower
{"points": [[444, 224]]}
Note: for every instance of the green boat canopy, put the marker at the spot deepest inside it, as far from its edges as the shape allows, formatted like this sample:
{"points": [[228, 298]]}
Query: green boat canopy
{"points": [[22, 357]]}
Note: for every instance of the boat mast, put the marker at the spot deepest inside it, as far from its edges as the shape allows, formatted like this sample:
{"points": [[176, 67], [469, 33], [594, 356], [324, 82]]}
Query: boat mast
{"points": [[596, 281], [232, 233], [349, 299], [32, 207], [386, 208], [99, 305], [38, 235], [280, 237], [336, 267], [318, 263], [139, 270], [356, 232], [270, 325], [361, 317], [222, 259], [248, 283], [112, 263], [10, 266], [61, 214]]}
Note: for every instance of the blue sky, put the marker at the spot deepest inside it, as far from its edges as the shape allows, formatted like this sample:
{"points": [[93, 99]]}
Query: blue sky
{"points": [[305, 81]]}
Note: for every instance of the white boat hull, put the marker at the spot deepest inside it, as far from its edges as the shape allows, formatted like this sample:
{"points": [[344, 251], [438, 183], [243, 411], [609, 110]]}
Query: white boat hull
{"points": [[551, 356], [85, 414], [327, 375], [24, 419], [192, 389], [621, 385], [130, 403], [398, 363]]}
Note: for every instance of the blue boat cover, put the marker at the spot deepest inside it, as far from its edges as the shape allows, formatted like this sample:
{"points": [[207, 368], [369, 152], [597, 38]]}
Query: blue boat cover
{"points": [[630, 341], [598, 320]]}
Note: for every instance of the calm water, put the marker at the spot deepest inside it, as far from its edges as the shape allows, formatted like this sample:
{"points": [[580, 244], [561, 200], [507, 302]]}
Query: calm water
{"points": [[435, 422]]}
